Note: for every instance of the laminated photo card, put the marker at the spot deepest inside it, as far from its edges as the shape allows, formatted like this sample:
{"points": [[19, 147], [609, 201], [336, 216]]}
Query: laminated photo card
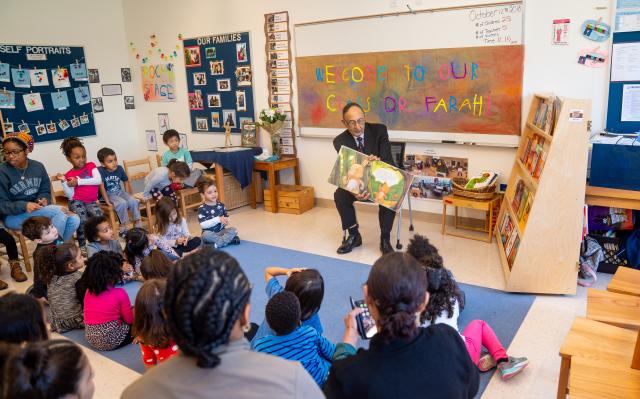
{"points": [[79, 72], [4, 72], [33, 102], [39, 77], [82, 95], [60, 78], [7, 99], [21, 78], [60, 100]]}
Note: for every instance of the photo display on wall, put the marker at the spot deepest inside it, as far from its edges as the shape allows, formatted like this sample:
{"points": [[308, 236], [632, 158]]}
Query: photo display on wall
{"points": [[278, 51], [44, 91], [219, 81]]}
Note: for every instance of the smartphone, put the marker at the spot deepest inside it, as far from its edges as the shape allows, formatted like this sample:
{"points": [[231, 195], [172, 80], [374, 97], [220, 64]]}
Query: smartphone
{"points": [[366, 324]]}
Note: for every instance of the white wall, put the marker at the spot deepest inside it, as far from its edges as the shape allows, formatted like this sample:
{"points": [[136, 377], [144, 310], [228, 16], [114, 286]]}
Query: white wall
{"points": [[547, 67], [99, 27]]}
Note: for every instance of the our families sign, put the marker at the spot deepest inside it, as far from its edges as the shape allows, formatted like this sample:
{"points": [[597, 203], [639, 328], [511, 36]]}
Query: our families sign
{"points": [[158, 82], [461, 90]]}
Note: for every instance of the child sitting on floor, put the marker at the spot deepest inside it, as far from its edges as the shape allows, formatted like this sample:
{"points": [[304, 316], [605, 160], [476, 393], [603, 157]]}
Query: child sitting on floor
{"points": [[293, 341], [139, 244], [80, 184], [213, 217], [164, 181], [107, 309], [113, 178], [171, 139], [155, 265], [101, 237], [150, 325], [172, 229], [22, 319], [40, 230], [60, 270], [444, 307]]}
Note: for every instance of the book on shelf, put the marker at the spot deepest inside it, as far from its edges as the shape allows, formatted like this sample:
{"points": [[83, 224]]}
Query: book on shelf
{"points": [[526, 210], [521, 205], [538, 170], [514, 251], [527, 147], [515, 203], [510, 242], [540, 117]]}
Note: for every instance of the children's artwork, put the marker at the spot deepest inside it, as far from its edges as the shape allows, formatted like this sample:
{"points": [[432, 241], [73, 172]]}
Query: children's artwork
{"points": [[241, 52], [8, 127], [195, 100], [377, 181], [60, 100], [224, 84], [39, 77], [7, 99], [560, 31], [436, 166], [94, 76], [595, 30], [192, 56], [97, 104], [210, 52], [243, 75], [199, 79], [457, 90], [428, 187], [75, 122], [60, 78], [241, 101], [163, 122], [159, 82], [5, 72], [152, 142], [24, 128], [21, 78], [229, 117], [79, 72], [129, 102], [84, 119], [82, 95], [41, 129], [183, 141], [63, 124], [594, 58], [33, 102], [216, 67], [125, 74], [215, 119], [201, 124], [248, 136], [51, 128], [213, 101]]}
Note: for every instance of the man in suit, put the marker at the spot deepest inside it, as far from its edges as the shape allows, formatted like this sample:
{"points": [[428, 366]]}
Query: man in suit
{"points": [[371, 139]]}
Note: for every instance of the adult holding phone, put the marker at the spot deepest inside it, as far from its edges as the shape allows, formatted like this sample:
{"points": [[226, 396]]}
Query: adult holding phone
{"points": [[371, 139], [403, 359]]}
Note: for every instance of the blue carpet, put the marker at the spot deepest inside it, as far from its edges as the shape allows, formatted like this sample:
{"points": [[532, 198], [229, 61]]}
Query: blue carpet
{"points": [[503, 311]]}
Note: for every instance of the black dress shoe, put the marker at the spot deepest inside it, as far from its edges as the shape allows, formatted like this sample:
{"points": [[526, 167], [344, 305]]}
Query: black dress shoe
{"points": [[350, 243], [385, 246]]}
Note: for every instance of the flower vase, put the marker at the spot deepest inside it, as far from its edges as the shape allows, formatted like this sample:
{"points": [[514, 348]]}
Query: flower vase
{"points": [[275, 145]]}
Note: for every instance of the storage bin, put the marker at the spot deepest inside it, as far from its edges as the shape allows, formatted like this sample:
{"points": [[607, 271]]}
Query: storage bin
{"points": [[291, 198]]}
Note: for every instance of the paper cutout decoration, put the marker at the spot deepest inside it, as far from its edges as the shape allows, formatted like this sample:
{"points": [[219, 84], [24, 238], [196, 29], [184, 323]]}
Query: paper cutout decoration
{"points": [[597, 31], [4, 72], [51, 128], [64, 125], [8, 127], [24, 128], [7, 99], [82, 95], [79, 72], [60, 77], [593, 58], [39, 77], [60, 100], [32, 102], [20, 78], [41, 129]]}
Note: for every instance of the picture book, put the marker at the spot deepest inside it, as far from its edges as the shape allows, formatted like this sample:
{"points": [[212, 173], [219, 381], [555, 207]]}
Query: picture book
{"points": [[376, 181], [514, 251], [515, 203], [526, 210]]}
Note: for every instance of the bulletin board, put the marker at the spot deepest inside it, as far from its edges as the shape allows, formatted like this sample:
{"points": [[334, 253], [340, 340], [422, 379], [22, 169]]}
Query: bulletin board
{"points": [[219, 81], [45, 90], [616, 123]]}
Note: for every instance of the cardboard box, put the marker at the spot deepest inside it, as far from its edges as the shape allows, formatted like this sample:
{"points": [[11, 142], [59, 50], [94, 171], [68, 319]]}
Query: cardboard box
{"points": [[291, 199]]}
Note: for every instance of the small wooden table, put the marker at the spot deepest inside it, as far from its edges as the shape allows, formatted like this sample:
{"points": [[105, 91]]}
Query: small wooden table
{"points": [[463, 202], [273, 178]]}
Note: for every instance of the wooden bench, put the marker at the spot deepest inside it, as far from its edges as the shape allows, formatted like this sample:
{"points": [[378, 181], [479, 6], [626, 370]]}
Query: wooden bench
{"points": [[625, 281], [612, 308], [603, 380]]}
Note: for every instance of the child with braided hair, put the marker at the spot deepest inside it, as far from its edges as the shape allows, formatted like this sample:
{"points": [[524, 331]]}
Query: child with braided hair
{"points": [[207, 310]]}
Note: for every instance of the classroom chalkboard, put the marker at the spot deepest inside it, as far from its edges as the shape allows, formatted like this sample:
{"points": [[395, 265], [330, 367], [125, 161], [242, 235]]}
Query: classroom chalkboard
{"points": [[219, 81], [45, 90]]}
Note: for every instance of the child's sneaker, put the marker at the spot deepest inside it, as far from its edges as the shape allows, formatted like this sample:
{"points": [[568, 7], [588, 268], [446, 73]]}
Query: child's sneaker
{"points": [[512, 367], [236, 240], [486, 363]]}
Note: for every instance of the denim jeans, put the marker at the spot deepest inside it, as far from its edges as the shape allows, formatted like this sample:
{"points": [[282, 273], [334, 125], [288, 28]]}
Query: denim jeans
{"points": [[221, 238], [122, 203], [84, 210], [65, 224]]}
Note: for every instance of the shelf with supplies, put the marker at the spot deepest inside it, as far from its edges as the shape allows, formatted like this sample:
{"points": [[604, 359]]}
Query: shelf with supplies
{"points": [[540, 220]]}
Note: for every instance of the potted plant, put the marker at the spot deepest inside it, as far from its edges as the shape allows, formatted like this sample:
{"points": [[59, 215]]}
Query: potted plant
{"points": [[272, 120]]}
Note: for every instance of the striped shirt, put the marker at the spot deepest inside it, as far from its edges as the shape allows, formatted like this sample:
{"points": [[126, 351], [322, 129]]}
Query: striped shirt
{"points": [[305, 345]]}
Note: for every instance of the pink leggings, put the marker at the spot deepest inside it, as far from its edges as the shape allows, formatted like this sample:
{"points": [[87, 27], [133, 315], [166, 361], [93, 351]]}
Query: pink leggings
{"points": [[479, 334]]}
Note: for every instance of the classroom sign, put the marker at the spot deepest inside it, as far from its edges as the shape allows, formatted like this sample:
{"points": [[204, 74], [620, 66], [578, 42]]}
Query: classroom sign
{"points": [[159, 82], [460, 90]]}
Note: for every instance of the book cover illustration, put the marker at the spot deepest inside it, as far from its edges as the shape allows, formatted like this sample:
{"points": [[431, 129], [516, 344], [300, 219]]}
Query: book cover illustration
{"points": [[377, 181]]}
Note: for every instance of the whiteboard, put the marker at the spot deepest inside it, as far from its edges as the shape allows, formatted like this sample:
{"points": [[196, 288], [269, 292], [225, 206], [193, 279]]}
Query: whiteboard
{"points": [[455, 27]]}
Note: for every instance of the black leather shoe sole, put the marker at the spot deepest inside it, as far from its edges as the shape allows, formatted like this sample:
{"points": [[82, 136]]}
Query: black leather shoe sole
{"points": [[350, 243]]}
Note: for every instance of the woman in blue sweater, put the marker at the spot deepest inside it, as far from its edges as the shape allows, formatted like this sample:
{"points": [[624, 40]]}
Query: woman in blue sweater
{"points": [[25, 188]]}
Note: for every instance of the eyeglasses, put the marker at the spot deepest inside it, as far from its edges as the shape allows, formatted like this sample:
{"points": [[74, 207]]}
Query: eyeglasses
{"points": [[352, 124], [13, 153]]}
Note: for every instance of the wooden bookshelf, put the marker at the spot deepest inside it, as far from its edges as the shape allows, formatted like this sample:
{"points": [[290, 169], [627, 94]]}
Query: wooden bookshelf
{"points": [[551, 162]]}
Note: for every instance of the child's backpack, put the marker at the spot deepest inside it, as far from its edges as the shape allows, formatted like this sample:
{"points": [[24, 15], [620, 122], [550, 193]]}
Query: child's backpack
{"points": [[633, 249], [591, 254]]}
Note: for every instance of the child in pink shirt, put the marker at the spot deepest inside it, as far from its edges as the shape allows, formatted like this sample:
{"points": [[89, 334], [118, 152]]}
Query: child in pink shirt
{"points": [[107, 309], [80, 184]]}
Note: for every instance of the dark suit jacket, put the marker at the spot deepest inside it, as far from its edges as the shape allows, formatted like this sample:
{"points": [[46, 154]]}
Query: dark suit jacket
{"points": [[376, 141]]}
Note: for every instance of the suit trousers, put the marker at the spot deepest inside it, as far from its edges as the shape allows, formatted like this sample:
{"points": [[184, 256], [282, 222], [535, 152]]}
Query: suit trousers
{"points": [[344, 203]]}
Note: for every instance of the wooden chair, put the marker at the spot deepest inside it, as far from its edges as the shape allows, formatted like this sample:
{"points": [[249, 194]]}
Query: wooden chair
{"points": [[188, 198], [145, 205], [24, 249], [617, 309], [625, 281], [596, 341], [598, 380]]}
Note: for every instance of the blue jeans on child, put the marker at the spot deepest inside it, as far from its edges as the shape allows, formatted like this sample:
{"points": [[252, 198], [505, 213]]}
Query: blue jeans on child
{"points": [[122, 203], [84, 210], [221, 238], [65, 224]]}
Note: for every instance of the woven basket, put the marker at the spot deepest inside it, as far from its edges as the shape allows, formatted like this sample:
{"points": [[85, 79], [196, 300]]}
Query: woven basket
{"points": [[483, 193]]}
